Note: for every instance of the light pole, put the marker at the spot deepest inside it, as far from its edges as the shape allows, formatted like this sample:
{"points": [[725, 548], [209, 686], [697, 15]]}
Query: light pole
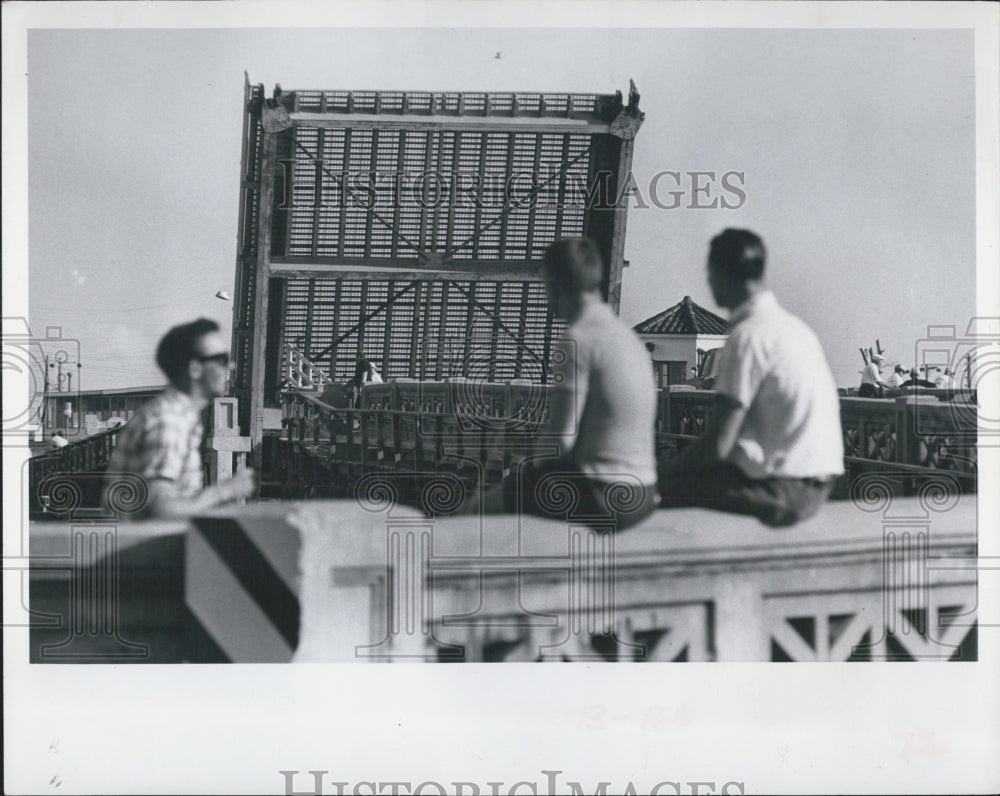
{"points": [[61, 358], [46, 414]]}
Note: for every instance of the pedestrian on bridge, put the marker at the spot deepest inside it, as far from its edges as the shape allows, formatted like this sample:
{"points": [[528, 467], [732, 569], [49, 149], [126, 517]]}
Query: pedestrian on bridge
{"points": [[364, 373], [872, 385], [897, 377]]}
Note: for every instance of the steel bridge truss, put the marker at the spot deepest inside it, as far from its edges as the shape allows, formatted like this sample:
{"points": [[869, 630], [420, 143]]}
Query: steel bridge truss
{"points": [[409, 227]]}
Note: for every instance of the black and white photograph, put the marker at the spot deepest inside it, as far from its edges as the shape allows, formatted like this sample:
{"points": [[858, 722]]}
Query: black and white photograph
{"points": [[593, 334]]}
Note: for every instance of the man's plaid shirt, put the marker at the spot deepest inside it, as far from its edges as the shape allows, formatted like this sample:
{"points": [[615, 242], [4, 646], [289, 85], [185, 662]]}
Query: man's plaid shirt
{"points": [[162, 443]]}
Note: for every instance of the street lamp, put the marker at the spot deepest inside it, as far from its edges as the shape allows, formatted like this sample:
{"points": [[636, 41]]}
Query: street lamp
{"points": [[63, 381]]}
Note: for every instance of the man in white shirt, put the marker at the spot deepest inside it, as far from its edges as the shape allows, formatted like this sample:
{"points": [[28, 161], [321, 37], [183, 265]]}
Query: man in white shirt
{"points": [[774, 446], [899, 375], [946, 380], [872, 385]]}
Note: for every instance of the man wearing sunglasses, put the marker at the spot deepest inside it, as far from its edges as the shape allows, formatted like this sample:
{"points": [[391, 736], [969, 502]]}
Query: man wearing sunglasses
{"points": [[162, 442]]}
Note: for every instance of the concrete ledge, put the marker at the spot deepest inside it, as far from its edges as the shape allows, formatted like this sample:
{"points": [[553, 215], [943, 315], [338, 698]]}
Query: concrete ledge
{"points": [[391, 589], [353, 538], [55, 539], [337, 581]]}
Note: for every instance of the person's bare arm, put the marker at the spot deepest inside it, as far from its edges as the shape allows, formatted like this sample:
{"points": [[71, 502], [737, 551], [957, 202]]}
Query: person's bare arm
{"points": [[562, 425], [166, 503], [566, 398]]}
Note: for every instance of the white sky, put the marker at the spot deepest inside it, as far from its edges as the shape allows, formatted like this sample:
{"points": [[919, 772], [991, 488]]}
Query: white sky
{"points": [[858, 148]]}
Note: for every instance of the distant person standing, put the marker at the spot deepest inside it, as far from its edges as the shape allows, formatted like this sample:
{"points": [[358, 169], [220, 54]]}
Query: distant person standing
{"points": [[774, 447], [946, 380], [872, 385], [364, 373], [896, 379], [915, 381], [162, 442], [602, 408]]}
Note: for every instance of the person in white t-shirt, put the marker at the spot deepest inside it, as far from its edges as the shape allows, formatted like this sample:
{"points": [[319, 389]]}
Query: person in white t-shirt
{"points": [[945, 380], [897, 377], [602, 410], [774, 447]]}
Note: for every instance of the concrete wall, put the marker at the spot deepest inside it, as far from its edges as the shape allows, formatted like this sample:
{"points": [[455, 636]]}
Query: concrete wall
{"points": [[877, 579]]}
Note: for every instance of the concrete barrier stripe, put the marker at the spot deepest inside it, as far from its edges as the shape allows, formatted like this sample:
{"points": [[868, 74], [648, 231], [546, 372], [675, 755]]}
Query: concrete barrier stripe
{"points": [[199, 646], [223, 608], [281, 549], [255, 574]]}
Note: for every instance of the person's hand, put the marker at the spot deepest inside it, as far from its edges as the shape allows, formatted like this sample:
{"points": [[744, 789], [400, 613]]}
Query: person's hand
{"points": [[243, 484]]}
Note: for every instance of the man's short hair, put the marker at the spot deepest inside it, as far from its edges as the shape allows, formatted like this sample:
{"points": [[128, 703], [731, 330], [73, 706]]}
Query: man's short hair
{"points": [[575, 264], [738, 254], [178, 347]]}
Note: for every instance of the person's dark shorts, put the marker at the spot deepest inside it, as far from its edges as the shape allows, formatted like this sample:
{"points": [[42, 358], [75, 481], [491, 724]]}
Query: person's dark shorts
{"points": [[725, 487], [558, 489]]}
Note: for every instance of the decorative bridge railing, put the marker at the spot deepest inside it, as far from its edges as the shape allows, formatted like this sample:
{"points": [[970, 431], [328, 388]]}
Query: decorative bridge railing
{"points": [[474, 431], [477, 430], [74, 477], [300, 372], [71, 476]]}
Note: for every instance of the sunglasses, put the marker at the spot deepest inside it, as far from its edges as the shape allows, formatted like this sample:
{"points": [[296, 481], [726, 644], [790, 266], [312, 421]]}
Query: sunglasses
{"points": [[219, 359]]}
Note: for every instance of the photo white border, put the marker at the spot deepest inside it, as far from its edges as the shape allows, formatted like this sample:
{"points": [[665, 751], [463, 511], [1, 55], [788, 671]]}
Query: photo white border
{"points": [[805, 728]]}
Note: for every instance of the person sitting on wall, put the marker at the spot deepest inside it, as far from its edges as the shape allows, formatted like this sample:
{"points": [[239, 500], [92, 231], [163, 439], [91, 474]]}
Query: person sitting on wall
{"points": [[162, 442], [602, 408], [774, 446]]}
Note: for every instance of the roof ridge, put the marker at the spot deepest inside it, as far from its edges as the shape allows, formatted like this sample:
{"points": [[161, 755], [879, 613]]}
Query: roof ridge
{"points": [[687, 304], [684, 317]]}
